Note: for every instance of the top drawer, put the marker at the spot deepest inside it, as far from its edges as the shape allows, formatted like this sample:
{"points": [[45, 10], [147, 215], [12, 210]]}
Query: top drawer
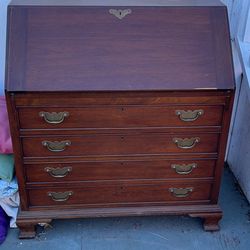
{"points": [[120, 116]]}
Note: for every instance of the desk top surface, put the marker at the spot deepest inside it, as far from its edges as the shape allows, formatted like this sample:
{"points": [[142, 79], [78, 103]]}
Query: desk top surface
{"points": [[94, 48], [117, 2]]}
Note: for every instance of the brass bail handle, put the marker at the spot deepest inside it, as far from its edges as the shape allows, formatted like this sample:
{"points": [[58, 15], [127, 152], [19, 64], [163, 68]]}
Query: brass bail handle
{"points": [[60, 196], [184, 169], [189, 115], [58, 172], [186, 143], [56, 146], [54, 117], [181, 192]]}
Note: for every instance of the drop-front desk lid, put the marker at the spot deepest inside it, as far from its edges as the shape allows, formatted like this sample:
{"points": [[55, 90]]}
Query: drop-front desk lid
{"points": [[118, 46]]}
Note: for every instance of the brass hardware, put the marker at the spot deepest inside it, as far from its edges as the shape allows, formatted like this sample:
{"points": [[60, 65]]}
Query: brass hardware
{"points": [[189, 115], [54, 117], [58, 172], [60, 196], [120, 14], [186, 143], [183, 168], [56, 146], [181, 192]]}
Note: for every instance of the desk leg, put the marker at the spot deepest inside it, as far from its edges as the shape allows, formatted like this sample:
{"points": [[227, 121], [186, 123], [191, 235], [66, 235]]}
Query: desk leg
{"points": [[211, 220], [28, 228]]}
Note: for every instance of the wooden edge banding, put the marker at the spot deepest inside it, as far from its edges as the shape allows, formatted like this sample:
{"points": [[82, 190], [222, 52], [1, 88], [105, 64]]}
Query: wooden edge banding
{"points": [[16, 44], [17, 148], [222, 149], [117, 211]]}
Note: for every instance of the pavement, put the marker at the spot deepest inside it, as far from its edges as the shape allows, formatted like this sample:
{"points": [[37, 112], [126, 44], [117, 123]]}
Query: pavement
{"points": [[147, 233]]}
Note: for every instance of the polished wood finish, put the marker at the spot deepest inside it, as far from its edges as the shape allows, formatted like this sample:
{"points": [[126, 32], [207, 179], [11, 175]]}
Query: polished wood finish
{"points": [[124, 144], [98, 52], [118, 170], [117, 117], [59, 99], [117, 3], [123, 194]]}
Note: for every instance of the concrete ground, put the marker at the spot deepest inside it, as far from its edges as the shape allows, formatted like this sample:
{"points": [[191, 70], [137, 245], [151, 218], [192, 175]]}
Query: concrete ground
{"points": [[142, 233]]}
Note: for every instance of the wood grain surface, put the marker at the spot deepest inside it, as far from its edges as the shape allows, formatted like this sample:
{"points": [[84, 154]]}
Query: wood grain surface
{"points": [[88, 49], [124, 194], [118, 170], [121, 82]]}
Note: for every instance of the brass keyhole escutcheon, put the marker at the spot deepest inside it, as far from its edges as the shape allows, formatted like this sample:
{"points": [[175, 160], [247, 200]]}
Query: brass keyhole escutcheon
{"points": [[120, 14]]}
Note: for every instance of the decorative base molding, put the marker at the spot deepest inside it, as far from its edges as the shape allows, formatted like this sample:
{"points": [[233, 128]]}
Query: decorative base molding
{"points": [[27, 220]]}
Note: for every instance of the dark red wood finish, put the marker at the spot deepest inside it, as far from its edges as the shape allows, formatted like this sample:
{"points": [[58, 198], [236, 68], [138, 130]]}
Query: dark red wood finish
{"points": [[118, 170], [121, 82], [88, 49], [123, 194], [121, 3], [135, 116], [122, 145]]}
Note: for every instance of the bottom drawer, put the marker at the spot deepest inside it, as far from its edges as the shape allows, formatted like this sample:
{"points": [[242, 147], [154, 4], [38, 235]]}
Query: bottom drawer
{"points": [[154, 192]]}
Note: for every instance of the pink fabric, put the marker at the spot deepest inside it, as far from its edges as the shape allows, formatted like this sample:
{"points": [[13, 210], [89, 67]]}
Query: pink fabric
{"points": [[5, 139]]}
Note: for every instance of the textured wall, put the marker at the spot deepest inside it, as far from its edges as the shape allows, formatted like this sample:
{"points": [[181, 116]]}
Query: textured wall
{"points": [[238, 156], [239, 149], [3, 13]]}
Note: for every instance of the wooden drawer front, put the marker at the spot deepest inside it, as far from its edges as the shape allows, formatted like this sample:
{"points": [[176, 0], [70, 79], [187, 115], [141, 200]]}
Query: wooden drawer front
{"points": [[153, 192], [119, 170], [120, 117], [116, 145]]}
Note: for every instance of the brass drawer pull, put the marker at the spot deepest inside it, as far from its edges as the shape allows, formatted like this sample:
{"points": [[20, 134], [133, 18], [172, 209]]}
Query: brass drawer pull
{"points": [[58, 172], [54, 117], [186, 143], [60, 196], [181, 192], [184, 168], [120, 14], [56, 146], [189, 115]]}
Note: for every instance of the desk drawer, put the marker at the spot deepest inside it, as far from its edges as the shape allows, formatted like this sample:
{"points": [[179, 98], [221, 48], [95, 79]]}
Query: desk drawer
{"points": [[127, 144], [121, 116], [119, 170], [120, 194]]}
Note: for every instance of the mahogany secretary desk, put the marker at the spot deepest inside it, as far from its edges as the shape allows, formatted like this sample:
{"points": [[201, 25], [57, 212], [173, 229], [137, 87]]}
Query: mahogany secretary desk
{"points": [[118, 109]]}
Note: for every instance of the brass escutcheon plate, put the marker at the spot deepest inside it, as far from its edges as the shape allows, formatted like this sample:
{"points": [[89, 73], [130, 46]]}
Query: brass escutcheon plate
{"points": [[120, 14]]}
